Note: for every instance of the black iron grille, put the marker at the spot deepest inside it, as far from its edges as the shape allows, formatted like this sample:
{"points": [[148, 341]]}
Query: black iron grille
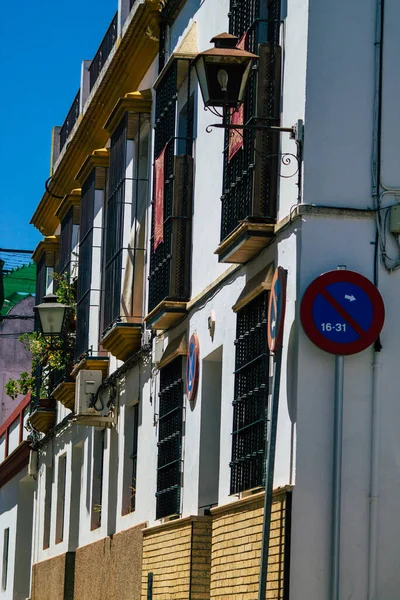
{"points": [[170, 425], [115, 223], [85, 264], [126, 208], [70, 120], [134, 455], [68, 259], [251, 394], [253, 169], [169, 263], [104, 50]]}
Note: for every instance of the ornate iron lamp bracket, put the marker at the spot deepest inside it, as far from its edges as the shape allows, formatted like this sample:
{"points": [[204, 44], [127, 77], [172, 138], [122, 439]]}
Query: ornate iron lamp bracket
{"points": [[296, 133]]}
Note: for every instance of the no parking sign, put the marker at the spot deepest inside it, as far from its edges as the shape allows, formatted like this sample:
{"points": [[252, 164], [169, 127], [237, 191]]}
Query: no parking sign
{"points": [[192, 367]]}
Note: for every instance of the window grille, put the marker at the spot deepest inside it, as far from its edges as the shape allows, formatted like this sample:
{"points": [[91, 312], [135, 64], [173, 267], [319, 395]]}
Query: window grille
{"points": [[97, 478], [115, 225], [170, 262], [85, 264], [251, 395], [127, 196], [68, 259], [6, 542], [134, 455], [250, 176], [170, 429]]}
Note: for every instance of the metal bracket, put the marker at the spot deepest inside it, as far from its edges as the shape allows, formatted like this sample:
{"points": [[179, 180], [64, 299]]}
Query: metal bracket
{"points": [[296, 133]]}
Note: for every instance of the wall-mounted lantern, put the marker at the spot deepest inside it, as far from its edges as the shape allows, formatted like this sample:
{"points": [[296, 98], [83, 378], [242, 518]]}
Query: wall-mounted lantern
{"points": [[223, 72], [52, 315]]}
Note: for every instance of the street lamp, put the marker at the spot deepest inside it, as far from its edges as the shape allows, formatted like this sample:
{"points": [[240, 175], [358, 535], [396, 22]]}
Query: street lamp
{"points": [[223, 71], [51, 315]]}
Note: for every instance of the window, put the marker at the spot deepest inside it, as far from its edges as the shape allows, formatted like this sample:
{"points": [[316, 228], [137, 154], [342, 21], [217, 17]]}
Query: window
{"points": [[47, 507], [60, 516], [251, 396], [131, 432], [126, 221], [69, 243], [170, 431], [134, 455], [250, 174], [169, 277], [6, 543], [97, 480], [90, 248]]}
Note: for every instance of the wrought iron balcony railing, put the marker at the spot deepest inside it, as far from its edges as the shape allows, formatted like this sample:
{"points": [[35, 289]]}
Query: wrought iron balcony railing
{"points": [[104, 50], [70, 120]]}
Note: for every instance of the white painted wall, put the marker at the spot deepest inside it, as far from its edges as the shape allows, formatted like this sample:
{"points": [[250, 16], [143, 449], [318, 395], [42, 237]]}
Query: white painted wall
{"points": [[328, 79], [16, 510]]}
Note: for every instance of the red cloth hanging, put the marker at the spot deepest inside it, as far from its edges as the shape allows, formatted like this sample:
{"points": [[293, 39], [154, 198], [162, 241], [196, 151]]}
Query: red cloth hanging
{"points": [[159, 180]]}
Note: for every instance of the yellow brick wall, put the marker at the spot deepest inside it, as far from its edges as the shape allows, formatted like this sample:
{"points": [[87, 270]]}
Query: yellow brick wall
{"points": [[236, 549], [178, 555]]}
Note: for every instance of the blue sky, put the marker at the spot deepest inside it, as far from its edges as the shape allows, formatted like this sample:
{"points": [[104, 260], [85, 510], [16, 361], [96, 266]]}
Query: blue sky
{"points": [[42, 47]]}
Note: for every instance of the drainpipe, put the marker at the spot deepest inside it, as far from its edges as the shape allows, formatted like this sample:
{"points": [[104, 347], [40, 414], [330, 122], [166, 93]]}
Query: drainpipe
{"points": [[376, 365], [374, 474]]}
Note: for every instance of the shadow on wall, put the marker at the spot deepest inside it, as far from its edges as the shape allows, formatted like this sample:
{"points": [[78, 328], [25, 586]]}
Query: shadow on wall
{"points": [[291, 372]]}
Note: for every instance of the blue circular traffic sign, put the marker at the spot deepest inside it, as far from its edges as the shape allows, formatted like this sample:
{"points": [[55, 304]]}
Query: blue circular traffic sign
{"points": [[192, 367], [276, 309], [342, 312]]}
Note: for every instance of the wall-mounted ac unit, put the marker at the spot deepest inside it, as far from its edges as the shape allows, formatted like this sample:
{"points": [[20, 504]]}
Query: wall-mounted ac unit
{"points": [[90, 410], [32, 465], [87, 384]]}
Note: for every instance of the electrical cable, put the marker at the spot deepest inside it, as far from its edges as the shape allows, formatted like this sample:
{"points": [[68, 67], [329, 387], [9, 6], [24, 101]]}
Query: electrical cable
{"points": [[46, 185]]}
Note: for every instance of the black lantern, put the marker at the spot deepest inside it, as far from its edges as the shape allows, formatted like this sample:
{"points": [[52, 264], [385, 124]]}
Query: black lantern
{"points": [[51, 315], [223, 71]]}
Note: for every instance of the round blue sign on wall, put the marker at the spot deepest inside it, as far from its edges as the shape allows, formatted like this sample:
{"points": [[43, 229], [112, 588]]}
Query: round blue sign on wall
{"points": [[192, 367], [342, 312]]}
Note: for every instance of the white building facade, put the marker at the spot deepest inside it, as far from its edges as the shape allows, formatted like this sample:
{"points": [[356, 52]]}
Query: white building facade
{"points": [[149, 494]]}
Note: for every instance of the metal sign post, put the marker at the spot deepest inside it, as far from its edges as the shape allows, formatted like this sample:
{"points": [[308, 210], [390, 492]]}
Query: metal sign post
{"points": [[343, 313], [337, 473], [276, 317]]}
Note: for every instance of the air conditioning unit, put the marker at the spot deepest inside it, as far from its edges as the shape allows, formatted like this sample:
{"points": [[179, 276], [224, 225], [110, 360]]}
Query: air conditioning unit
{"points": [[87, 384], [146, 337], [32, 465], [158, 350]]}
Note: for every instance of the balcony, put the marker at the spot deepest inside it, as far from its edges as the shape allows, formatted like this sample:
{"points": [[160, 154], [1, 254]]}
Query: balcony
{"points": [[64, 388], [43, 414], [70, 120], [90, 362], [104, 51], [123, 340], [169, 287]]}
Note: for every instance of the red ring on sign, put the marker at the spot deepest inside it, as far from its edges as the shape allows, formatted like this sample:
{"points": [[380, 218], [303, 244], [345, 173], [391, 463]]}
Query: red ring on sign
{"points": [[318, 286], [192, 367], [275, 341]]}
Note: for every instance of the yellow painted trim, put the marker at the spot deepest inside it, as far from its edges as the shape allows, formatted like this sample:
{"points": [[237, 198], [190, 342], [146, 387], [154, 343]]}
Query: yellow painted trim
{"points": [[49, 244], [129, 64], [71, 199], [138, 102], [243, 503], [174, 524], [98, 158]]}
